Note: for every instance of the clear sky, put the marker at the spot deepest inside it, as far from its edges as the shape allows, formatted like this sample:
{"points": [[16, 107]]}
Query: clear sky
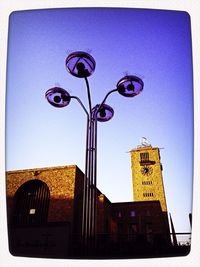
{"points": [[154, 45]]}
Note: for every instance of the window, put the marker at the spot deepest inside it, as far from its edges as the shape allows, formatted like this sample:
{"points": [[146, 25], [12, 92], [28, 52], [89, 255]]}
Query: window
{"points": [[149, 232], [120, 228], [31, 203], [144, 157], [161, 167], [147, 182], [132, 213], [132, 232], [119, 214], [32, 211], [148, 213], [147, 194]]}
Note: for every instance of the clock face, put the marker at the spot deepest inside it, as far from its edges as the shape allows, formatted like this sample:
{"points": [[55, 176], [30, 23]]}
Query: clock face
{"points": [[147, 170]]}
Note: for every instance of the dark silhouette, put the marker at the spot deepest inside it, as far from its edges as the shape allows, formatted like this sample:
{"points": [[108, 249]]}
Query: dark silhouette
{"points": [[82, 71]]}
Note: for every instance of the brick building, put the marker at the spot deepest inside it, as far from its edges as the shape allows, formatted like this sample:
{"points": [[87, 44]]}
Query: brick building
{"points": [[44, 207], [45, 201], [147, 175]]}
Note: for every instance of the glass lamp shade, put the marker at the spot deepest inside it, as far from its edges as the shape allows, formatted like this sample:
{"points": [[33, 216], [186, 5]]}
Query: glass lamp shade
{"points": [[58, 97], [105, 113], [130, 86], [80, 64]]}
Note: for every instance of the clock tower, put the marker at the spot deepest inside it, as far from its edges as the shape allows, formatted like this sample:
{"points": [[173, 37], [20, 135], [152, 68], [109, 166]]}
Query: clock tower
{"points": [[147, 174]]}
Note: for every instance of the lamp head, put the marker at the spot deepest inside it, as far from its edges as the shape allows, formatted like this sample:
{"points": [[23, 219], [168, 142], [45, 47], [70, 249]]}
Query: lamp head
{"points": [[80, 64], [105, 113], [58, 97], [130, 86]]}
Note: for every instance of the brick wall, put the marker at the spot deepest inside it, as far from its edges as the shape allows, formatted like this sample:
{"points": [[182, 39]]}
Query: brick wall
{"points": [[61, 183]]}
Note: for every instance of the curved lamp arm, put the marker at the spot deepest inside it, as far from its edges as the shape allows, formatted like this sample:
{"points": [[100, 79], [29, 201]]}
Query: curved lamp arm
{"points": [[104, 100], [88, 93], [80, 102]]}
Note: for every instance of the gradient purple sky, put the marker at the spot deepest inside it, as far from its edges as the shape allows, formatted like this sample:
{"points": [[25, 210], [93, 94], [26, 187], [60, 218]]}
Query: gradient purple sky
{"points": [[154, 45]]}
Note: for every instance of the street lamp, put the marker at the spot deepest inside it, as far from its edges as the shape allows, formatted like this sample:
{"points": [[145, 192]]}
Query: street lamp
{"points": [[82, 65]]}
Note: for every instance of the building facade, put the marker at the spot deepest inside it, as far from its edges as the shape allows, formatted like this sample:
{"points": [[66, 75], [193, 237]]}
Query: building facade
{"points": [[44, 208], [43, 195], [44, 211], [147, 177]]}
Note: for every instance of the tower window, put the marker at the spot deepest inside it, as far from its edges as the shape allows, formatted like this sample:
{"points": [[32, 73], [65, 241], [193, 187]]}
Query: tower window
{"points": [[147, 194], [144, 157], [147, 182]]}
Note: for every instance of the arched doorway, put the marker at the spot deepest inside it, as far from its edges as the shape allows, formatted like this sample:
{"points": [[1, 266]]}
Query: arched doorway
{"points": [[31, 203]]}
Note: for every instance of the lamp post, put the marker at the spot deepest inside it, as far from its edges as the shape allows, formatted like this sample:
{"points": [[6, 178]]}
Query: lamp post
{"points": [[82, 65]]}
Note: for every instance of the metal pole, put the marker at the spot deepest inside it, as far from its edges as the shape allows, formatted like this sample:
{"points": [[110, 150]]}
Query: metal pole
{"points": [[89, 212], [89, 96], [85, 192], [86, 185], [89, 223], [90, 179], [95, 181], [91, 238], [88, 192]]}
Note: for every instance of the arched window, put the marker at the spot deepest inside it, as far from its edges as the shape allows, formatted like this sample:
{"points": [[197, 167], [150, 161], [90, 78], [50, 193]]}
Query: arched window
{"points": [[31, 203]]}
